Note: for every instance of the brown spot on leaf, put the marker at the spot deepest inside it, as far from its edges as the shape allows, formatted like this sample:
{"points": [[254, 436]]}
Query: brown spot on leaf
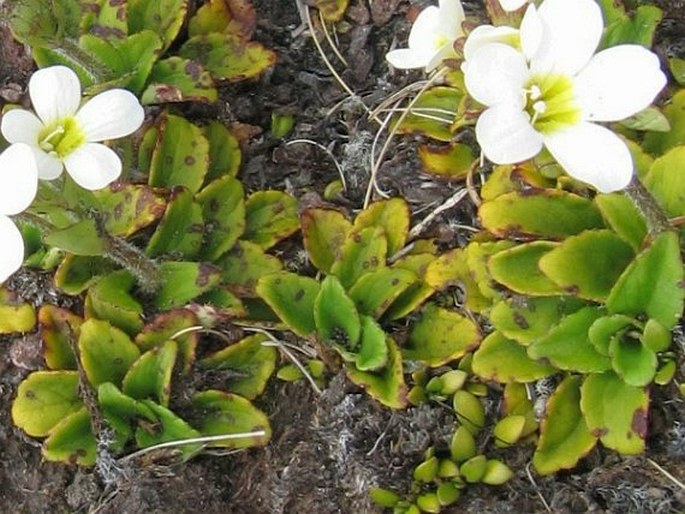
{"points": [[639, 423], [521, 321], [118, 361], [30, 395], [193, 69], [394, 281], [189, 160], [299, 295], [600, 432]]}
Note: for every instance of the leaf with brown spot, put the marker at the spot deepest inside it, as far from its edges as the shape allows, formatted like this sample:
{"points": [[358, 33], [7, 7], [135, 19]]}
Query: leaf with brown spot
{"points": [[292, 298], [72, 441], [244, 265], [228, 57], [362, 252], [43, 399], [106, 352], [324, 231], [226, 413], [150, 375], [59, 329], [223, 209], [184, 281], [616, 412], [503, 360], [270, 216], [178, 80], [168, 325]]}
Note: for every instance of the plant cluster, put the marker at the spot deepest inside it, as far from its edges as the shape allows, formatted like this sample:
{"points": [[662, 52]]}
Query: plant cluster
{"points": [[573, 279]]}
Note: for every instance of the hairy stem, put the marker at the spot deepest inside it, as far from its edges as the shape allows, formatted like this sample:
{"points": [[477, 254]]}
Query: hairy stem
{"points": [[655, 217], [134, 260]]}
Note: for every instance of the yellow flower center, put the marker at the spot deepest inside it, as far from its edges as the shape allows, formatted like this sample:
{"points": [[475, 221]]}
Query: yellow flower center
{"points": [[550, 102], [61, 137]]}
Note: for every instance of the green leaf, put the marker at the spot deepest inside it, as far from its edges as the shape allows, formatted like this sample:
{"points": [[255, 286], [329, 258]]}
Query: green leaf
{"points": [[105, 18], [106, 352], [292, 298], [623, 218], [658, 143], [652, 284], [440, 336], [677, 67], [632, 361], [243, 265], [120, 412], [14, 315], [503, 360], [184, 281], [527, 320], [37, 23], [167, 427], [638, 29], [81, 238], [518, 269], [666, 181], [76, 273], [615, 412], [110, 300], [649, 118], [168, 325], [270, 216], [392, 215], [416, 293], [180, 156], [150, 375], [181, 228], [433, 113], [451, 162], [374, 292], [59, 330], [223, 209], [224, 151], [549, 213], [247, 364], [564, 436], [323, 232], [178, 80], [603, 330], [567, 345], [128, 60], [469, 410], [225, 413], [228, 57], [656, 337], [72, 440], [373, 350], [568, 266], [43, 399], [336, 316], [387, 385], [164, 17], [128, 208], [362, 252]]}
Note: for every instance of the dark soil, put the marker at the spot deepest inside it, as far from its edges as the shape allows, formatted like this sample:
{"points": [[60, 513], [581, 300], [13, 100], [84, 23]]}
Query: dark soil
{"points": [[326, 451]]}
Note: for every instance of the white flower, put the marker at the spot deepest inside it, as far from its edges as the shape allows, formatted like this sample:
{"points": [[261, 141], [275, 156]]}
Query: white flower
{"points": [[432, 37], [18, 186], [553, 90], [65, 135]]}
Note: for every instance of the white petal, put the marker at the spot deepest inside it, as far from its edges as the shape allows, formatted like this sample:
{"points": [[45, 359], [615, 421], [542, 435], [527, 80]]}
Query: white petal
{"points": [[20, 126], [12, 255], [496, 73], [618, 82], [93, 166], [446, 52], [49, 166], [593, 154], [512, 5], [532, 32], [506, 136], [572, 30], [55, 93], [451, 18], [18, 178], [406, 58], [109, 115], [425, 30], [485, 34]]}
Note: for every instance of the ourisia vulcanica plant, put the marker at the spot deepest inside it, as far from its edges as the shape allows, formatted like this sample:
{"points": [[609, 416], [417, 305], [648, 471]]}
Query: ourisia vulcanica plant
{"points": [[64, 134]]}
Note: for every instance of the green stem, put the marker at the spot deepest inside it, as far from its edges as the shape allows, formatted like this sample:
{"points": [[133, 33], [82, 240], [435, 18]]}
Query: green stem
{"points": [[655, 217]]}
